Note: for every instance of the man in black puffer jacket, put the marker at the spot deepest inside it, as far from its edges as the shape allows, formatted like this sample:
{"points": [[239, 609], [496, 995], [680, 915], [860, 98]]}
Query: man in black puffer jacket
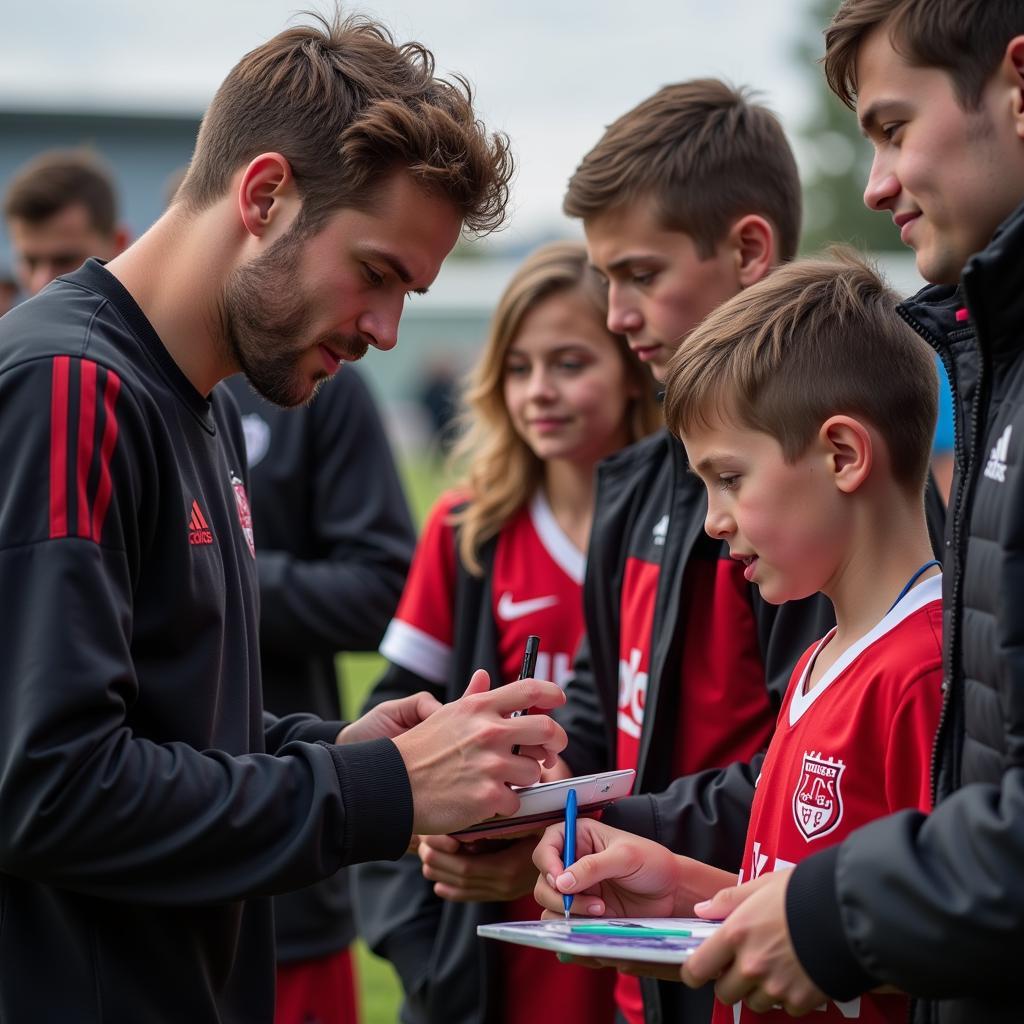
{"points": [[933, 904]]}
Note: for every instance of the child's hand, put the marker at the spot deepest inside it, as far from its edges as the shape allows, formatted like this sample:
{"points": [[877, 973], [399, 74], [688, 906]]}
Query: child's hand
{"points": [[616, 874], [483, 871]]}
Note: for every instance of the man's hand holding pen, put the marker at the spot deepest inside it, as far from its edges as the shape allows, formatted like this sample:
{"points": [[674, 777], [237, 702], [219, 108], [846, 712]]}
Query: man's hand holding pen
{"points": [[460, 760]]}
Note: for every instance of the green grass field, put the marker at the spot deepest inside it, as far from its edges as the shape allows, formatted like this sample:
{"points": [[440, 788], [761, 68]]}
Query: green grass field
{"points": [[379, 989]]}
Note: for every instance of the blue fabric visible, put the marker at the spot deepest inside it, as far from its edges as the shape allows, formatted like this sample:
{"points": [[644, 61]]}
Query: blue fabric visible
{"points": [[944, 427]]}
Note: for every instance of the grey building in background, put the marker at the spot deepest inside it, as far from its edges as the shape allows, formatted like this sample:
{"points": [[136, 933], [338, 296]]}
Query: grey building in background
{"points": [[449, 324]]}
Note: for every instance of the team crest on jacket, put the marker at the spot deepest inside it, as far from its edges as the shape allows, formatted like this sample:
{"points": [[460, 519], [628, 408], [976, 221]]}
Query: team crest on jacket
{"points": [[244, 514], [817, 799]]}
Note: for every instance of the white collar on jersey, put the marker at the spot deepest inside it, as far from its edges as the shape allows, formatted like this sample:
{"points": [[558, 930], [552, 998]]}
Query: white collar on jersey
{"points": [[556, 541], [924, 593]]}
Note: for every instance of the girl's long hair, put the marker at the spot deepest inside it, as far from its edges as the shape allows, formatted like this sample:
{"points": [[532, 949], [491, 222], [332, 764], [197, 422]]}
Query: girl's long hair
{"points": [[501, 472]]}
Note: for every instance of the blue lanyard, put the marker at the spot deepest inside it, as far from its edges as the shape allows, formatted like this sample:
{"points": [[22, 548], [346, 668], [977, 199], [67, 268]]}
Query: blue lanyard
{"points": [[913, 579]]}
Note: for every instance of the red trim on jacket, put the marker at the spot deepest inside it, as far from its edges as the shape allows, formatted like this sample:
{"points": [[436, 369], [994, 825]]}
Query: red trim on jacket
{"points": [[86, 430], [103, 489], [59, 447]]}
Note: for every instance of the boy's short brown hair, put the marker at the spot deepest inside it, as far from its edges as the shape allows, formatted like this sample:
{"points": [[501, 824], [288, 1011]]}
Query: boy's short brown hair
{"points": [[814, 339], [347, 106], [57, 179], [965, 38], [706, 154]]}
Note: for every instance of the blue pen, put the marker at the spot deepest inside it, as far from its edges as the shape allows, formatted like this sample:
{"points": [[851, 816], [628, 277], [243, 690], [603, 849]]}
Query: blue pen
{"points": [[570, 843]]}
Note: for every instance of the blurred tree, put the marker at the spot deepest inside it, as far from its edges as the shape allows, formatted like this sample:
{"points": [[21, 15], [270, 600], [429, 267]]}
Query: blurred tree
{"points": [[836, 157]]}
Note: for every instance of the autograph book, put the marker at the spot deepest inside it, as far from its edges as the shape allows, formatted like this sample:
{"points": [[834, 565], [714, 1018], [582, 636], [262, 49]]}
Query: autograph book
{"points": [[667, 940]]}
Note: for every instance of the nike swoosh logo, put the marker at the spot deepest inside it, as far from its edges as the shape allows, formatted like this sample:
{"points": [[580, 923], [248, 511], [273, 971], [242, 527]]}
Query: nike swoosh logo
{"points": [[510, 610]]}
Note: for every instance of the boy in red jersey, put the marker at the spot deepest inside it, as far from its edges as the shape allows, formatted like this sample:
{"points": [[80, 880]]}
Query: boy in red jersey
{"points": [[806, 406]]}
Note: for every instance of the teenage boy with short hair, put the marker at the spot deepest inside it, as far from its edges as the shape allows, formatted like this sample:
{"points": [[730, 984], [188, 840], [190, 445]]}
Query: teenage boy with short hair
{"points": [[61, 208], [149, 807], [933, 905], [807, 407], [686, 199]]}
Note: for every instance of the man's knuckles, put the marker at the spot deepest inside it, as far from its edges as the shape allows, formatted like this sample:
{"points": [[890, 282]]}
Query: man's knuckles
{"points": [[753, 964], [774, 991]]}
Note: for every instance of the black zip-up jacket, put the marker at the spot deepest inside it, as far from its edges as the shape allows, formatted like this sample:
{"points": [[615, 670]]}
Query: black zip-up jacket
{"points": [[334, 539], [148, 805], [447, 973], [935, 904], [704, 815]]}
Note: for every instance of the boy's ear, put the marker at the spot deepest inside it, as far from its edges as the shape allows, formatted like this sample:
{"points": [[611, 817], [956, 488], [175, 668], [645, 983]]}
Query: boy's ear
{"points": [[266, 193], [752, 241], [850, 451], [1013, 64]]}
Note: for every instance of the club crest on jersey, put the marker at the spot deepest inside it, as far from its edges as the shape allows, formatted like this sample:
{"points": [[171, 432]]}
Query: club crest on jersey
{"points": [[817, 799], [244, 513]]}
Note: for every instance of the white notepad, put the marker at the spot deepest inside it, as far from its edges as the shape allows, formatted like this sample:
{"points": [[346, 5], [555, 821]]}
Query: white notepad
{"points": [[646, 944], [544, 803]]}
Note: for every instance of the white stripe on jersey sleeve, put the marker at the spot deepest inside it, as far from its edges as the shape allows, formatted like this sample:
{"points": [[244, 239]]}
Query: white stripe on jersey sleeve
{"points": [[419, 652]]}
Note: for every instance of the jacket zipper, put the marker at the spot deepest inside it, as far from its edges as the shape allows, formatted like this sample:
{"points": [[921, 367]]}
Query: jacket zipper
{"points": [[965, 478]]}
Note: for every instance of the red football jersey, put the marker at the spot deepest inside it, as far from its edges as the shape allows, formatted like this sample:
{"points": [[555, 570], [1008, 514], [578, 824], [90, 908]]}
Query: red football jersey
{"points": [[723, 710], [722, 667], [639, 589], [856, 747], [536, 587]]}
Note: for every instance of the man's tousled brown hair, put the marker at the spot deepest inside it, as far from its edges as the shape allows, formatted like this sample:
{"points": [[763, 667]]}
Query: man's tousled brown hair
{"points": [[59, 178], [706, 154], [965, 38], [347, 106], [817, 338]]}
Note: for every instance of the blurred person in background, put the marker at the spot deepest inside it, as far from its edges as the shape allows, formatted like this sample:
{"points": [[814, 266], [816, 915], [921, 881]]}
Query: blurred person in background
{"points": [[8, 289], [439, 396], [502, 557], [333, 543], [61, 208]]}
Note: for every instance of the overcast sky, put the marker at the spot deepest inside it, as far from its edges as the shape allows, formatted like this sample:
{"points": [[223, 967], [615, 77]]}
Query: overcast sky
{"points": [[551, 74]]}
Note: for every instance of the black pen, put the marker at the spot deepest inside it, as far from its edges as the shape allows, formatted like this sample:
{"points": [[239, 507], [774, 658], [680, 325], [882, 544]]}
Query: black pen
{"points": [[526, 672]]}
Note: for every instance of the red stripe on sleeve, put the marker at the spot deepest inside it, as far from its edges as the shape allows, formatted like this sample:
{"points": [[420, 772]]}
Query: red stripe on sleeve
{"points": [[99, 512], [86, 430], [59, 447]]}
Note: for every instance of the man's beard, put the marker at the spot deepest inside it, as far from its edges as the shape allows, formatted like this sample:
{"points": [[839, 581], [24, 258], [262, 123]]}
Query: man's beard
{"points": [[266, 317]]}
